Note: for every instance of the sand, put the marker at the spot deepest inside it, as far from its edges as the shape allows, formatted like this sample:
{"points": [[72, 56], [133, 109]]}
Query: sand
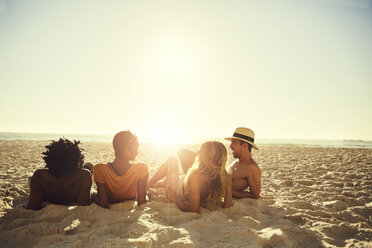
{"points": [[311, 197]]}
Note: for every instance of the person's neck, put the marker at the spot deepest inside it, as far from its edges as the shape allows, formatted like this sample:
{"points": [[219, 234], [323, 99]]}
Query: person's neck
{"points": [[121, 162], [245, 157], [120, 166]]}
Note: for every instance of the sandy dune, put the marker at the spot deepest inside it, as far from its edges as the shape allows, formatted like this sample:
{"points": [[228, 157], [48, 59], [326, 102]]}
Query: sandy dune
{"points": [[312, 197]]}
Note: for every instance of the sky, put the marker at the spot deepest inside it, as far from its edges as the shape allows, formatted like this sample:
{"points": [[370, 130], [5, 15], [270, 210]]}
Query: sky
{"points": [[182, 70]]}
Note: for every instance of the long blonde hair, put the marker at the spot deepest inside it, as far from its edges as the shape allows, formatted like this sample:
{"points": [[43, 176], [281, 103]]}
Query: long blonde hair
{"points": [[212, 163]]}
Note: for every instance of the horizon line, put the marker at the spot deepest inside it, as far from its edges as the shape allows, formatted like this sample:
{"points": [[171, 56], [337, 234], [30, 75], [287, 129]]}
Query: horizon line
{"points": [[148, 140]]}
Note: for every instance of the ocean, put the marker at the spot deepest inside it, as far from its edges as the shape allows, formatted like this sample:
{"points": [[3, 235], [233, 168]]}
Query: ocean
{"points": [[260, 142]]}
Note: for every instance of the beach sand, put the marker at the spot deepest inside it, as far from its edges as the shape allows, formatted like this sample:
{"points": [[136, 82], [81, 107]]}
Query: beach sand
{"points": [[311, 197]]}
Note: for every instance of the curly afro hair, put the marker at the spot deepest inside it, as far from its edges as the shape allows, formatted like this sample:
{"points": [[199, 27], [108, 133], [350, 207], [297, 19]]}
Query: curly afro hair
{"points": [[63, 156]]}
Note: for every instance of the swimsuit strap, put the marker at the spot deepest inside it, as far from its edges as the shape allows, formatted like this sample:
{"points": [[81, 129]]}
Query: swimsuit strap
{"points": [[112, 166]]}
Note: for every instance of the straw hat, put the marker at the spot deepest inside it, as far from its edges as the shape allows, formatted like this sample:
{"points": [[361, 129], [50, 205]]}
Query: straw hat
{"points": [[244, 134]]}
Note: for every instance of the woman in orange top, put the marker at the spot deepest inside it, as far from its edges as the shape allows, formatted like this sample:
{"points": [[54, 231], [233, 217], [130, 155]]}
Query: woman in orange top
{"points": [[121, 180]]}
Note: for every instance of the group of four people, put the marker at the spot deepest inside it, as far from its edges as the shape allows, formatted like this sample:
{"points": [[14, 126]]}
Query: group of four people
{"points": [[206, 183]]}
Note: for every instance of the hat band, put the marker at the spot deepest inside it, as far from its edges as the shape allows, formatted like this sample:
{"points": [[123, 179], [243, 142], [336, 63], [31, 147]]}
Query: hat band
{"points": [[238, 135]]}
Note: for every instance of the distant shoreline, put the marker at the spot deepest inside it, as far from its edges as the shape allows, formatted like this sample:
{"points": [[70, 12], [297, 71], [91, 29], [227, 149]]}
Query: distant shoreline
{"points": [[357, 143]]}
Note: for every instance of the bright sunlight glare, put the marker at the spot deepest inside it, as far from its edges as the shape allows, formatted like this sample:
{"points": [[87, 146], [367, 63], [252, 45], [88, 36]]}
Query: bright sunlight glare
{"points": [[167, 134], [170, 137]]}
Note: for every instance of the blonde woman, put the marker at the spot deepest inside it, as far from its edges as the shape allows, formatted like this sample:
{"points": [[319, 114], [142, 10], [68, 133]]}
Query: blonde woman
{"points": [[206, 184]]}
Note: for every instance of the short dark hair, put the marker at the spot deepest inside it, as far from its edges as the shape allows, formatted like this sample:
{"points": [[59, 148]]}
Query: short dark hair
{"points": [[249, 145], [123, 140], [63, 156]]}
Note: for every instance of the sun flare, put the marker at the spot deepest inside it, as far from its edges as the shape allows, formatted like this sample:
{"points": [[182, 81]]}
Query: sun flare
{"points": [[167, 134]]}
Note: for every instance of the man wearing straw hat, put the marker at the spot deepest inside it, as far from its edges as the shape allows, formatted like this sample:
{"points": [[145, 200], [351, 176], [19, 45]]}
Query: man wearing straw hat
{"points": [[246, 175]]}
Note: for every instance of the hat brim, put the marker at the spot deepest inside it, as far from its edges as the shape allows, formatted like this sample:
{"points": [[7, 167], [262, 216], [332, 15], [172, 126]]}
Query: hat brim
{"points": [[249, 142]]}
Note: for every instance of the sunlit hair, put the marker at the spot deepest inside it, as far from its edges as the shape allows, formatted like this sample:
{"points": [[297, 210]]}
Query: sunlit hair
{"points": [[63, 156], [212, 163]]}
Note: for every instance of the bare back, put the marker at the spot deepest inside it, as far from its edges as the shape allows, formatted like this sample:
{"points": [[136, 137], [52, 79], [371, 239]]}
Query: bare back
{"points": [[204, 187], [70, 189]]}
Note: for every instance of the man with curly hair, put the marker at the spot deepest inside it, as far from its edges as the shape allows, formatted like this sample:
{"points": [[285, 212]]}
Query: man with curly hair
{"points": [[63, 181]]}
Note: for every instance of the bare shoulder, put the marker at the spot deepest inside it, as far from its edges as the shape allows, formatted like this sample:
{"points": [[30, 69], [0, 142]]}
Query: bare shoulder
{"points": [[40, 174], [84, 175], [41, 179], [254, 171], [195, 178], [250, 167], [41, 171], [84, 172], [197, 182], [99, 168], [199, 179]]}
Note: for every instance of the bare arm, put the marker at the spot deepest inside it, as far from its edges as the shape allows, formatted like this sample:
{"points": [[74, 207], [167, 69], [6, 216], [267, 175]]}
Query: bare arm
{"points": [[228, 195], [194, 194], [243, 194], [84, 194], [36, 194], [159, 174], [102, 195], [141, 190]]}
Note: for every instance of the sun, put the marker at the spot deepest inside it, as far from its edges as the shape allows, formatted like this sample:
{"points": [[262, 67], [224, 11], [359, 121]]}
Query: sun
{"points": [[164, 137], [169, 135]]}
